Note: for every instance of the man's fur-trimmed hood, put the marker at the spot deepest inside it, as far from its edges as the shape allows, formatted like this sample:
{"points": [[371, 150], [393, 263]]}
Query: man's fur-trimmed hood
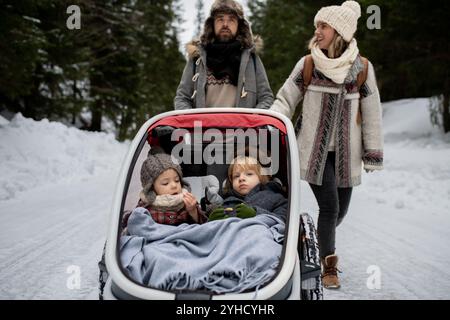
{"points": [[227, 6], [193, 47], [244, 32]]}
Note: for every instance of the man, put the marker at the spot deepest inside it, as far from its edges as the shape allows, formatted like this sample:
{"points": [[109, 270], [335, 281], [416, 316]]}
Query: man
{"points": [[223, 69]]}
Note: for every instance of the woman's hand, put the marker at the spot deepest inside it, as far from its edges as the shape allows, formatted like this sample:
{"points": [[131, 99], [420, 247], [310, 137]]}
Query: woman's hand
{"points": [[190, 203]]}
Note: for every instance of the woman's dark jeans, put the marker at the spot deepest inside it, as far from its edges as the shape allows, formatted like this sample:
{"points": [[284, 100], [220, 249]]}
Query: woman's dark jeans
{"points": [[333, 205]]}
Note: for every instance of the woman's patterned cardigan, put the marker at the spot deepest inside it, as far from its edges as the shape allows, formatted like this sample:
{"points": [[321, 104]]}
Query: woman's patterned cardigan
{"points": [[356, 115]]}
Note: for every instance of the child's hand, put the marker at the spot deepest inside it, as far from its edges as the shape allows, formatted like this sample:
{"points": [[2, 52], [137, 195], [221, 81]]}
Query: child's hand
{"points": [[244, 211], [217, 214], [190, 203]]}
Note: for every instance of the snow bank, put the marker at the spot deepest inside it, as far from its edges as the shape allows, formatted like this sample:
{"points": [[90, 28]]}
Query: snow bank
{"points": [[38, 153], [3, 121], [417, 160], [408, 119]]}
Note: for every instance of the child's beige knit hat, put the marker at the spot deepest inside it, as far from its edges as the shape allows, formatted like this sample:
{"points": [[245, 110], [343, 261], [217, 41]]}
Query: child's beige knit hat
{"points": [[343, 19]]}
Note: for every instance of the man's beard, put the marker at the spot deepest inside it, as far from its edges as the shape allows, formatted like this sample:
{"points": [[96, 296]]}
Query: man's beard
{"points": [[225, 37]]}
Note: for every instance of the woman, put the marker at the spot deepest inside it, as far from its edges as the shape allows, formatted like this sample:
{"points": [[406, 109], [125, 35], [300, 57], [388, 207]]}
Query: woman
{"points": [[341, 121]]}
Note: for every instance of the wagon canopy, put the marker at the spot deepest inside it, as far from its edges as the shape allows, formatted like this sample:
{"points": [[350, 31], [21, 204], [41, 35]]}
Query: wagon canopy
{"points": [[220, 120]]}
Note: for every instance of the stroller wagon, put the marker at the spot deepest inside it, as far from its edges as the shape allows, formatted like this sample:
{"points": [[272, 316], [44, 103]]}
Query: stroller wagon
{"points": [[204, 141]]}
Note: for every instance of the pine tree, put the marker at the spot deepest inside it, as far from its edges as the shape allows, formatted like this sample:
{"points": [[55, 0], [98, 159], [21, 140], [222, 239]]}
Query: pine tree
{"points": [[41, 77], [135, 61], [123, 65], [21, 40], [286, 28], [200, 18], [411, 50]]}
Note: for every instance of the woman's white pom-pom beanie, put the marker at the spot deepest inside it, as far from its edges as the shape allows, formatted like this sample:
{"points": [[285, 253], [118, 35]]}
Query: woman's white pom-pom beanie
{"points": [[343, 19]]}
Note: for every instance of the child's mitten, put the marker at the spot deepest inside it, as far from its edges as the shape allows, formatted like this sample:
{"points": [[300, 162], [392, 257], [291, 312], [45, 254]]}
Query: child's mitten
{"points": [[217, 214], [244, 211]]}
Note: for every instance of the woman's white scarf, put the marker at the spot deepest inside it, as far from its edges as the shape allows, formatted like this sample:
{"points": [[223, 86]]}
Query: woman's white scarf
{"points": [[335, 69]]}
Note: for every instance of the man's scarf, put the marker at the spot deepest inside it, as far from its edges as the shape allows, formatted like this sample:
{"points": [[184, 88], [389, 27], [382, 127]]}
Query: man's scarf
{"points": [[224, 59]]}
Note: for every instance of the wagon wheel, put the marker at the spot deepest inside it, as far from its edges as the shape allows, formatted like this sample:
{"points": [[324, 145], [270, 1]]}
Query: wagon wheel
{"points": [[308, 249], [103, 274]]}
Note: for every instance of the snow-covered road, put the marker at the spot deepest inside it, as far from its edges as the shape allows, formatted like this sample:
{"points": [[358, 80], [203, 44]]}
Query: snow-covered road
{"points": [[41, 241], [56, 186]]}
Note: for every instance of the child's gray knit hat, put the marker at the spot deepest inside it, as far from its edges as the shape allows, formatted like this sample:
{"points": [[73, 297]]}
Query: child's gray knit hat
{"points": [[156, 163]]}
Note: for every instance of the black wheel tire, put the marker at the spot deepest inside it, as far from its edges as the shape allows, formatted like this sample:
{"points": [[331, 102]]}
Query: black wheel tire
{"points": [[309, 251], [103, 275]]}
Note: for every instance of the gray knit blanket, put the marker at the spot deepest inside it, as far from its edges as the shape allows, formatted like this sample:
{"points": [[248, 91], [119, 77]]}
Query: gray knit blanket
{"points": [[222, 256]]}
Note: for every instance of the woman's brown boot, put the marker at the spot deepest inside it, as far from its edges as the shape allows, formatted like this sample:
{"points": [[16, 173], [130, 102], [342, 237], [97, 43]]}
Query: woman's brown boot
{"points": [[329, 272]]}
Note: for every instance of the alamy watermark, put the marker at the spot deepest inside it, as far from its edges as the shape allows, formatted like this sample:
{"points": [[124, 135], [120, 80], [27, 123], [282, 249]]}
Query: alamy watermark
{"points": [[374, 280], [74, 20], [214, 146], [73, 281], [374, 21]]}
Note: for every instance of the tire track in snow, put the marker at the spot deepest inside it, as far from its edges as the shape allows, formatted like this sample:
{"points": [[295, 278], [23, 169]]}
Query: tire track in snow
{"points": [[40, 267]]}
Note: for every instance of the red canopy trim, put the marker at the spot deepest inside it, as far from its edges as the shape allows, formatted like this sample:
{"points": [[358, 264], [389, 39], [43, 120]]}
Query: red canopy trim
{"points": [[220, 120]]}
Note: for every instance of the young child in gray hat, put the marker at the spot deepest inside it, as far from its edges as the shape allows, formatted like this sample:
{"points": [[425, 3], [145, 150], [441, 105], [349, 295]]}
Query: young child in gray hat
{"points": [[165, 195]]}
